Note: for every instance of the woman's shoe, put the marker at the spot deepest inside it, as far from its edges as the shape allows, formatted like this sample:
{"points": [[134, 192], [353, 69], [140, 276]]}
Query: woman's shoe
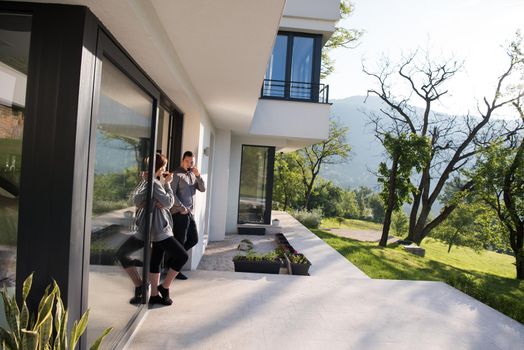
{"points": [[165, 295], [137, 299], [157, 299]]}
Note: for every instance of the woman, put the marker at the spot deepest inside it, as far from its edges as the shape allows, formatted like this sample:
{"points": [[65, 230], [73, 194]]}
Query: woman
{"points": [[161, 236]]}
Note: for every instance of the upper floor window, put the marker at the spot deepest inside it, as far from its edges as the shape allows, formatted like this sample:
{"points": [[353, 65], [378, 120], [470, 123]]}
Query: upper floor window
{"points": [[293, 70]]}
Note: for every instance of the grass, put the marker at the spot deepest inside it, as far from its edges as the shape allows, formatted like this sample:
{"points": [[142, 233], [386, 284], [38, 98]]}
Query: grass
{"points": [[474, 274], [350, 224]]}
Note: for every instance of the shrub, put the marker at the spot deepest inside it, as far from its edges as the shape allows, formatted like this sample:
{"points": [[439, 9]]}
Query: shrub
{"points": [[310, 219]]}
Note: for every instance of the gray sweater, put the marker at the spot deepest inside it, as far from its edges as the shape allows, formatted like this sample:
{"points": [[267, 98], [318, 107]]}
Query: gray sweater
{"points": [[184, 185], [162, 225]]}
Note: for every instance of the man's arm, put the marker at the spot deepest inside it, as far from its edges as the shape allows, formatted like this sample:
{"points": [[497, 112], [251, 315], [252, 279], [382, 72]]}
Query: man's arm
{"points": [[199, 183]]}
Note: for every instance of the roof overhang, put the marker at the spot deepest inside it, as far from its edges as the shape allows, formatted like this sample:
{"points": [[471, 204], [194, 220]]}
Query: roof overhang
{"points": [[207, 56]]}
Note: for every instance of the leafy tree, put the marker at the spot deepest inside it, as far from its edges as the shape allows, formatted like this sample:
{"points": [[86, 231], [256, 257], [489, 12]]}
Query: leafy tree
{"points": [[471, 225], [310, 159], [362, 195], [499, 182], [406, 152], [454, 139], [377, 207], [287, 187], [399, 222], [348, 205], [342, 37]]}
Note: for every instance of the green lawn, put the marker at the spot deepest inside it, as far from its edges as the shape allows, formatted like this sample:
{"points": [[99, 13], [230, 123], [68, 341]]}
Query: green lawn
{"points": [[488, 277], [351, 224]]}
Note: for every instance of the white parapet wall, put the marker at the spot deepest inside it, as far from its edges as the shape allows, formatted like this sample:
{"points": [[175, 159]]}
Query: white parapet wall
{"points": [[291, 119]]}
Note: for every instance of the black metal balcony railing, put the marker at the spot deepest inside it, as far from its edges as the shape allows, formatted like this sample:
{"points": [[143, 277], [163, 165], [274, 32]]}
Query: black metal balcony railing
{"points": [[295, 91]]}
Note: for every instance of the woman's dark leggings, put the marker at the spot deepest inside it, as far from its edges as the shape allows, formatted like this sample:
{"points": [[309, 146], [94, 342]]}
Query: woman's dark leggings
{"points": [[175, 252], [131, 245]]}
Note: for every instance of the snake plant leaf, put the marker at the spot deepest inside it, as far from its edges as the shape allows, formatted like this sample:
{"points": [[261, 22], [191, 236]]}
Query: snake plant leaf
{"points": [[8, 339], [24, 316], [97, 342], [59, 310], [45, 308], [12, 314], [28, 282], [44, 332], [78, 328], [29, 340]]}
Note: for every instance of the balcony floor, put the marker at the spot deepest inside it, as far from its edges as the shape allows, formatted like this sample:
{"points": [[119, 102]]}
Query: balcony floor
{"points": [[337, 307]]}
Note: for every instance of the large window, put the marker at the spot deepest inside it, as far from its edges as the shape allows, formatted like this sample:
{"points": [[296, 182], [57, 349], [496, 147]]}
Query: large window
{"points": [[15, 32], [293, 70], [256, 184], [123, 134]]}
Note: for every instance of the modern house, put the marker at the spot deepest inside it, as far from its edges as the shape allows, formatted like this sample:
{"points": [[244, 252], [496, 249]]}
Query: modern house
{"points": [[89, 89]]}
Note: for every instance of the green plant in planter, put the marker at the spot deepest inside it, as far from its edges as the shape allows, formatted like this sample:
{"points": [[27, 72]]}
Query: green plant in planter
{"points": [[252, 256], [46, 331], [298, 259]]}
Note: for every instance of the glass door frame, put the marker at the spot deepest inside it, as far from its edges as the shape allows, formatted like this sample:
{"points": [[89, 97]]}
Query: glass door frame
{"points": [[108, 49], [269, 183]]}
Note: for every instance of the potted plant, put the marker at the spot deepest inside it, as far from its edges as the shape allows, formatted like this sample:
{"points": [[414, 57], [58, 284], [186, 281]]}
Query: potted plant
{"points": [[299, 264], [45, 330], [255, 262]]}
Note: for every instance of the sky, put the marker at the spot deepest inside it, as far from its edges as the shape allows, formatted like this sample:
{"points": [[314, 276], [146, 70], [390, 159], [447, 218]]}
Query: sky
{"points": [[472, 31]]}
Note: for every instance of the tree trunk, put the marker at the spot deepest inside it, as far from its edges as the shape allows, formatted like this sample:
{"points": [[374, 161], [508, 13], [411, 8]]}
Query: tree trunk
{"points": [[452, 240], [519, 257], [390, 205]]}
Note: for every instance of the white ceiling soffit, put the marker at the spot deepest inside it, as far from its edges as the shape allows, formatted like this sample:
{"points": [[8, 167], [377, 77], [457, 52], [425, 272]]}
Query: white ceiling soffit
{"points": [[202, 53], [224, 47]]}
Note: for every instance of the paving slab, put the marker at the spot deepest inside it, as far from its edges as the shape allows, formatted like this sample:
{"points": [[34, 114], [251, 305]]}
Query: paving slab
{"points": [[334, 308]]}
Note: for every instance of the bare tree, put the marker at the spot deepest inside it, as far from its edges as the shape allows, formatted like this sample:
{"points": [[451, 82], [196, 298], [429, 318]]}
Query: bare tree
{"points": [[454, 139], [310, 159]]}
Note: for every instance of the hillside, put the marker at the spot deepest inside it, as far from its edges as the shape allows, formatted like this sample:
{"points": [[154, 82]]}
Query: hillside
{"points": [[366, 150]]}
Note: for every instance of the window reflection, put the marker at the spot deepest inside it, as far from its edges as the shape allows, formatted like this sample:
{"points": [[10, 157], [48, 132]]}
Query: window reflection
{"points": [[253, 184], [276, 69], [122, 143], [302, 68], [15, 32]]}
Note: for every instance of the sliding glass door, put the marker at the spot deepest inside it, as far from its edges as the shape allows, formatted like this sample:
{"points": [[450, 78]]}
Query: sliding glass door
{"points": [[256, 184], [15, 33], [122, 146]]}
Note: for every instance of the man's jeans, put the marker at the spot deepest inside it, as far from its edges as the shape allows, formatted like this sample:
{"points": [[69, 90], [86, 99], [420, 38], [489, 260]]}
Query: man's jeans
{"points": [[185, 230]]}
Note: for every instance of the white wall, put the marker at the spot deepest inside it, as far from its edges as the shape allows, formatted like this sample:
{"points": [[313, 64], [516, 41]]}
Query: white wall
{"points": [[316, 9], [311, 16], [221, 174], [12, 89], [291, 119]]}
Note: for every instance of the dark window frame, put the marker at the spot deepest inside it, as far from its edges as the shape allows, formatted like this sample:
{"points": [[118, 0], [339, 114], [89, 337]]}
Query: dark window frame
{"points": [[269, 184], [315, 68]]}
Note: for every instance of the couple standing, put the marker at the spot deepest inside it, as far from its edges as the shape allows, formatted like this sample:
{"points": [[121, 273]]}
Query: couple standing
{"points": [[186, 181], [173, 228]]}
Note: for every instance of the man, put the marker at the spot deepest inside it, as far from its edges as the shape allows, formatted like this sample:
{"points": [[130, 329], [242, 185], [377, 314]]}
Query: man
{"points": [[186, 180]]}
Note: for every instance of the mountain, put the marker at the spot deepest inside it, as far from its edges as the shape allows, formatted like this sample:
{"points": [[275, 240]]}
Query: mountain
{"points": [[366, 150]]}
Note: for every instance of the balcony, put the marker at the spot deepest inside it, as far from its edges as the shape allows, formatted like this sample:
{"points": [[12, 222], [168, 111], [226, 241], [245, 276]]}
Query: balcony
{"points": [[294, 91]]}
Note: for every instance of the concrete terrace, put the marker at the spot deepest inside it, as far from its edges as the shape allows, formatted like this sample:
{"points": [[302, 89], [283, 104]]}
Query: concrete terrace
{"points": [[337, 307]]}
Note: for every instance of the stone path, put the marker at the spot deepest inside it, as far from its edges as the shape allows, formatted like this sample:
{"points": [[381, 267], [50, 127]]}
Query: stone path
{"points": [[219, 255], [361, 235]]}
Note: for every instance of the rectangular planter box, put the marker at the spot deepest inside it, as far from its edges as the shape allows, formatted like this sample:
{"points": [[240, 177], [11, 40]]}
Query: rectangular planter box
{"points": [[272, 267], [300, 269], [259, 231]]}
